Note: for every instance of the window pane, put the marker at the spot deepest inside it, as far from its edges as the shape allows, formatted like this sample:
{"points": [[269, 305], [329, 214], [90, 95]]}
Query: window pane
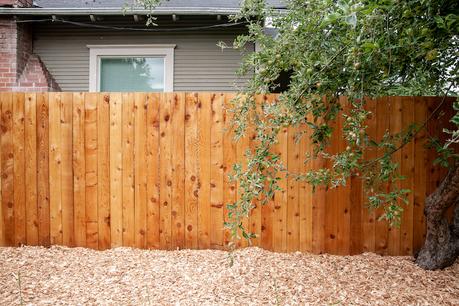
{"points": [[132, 74]]}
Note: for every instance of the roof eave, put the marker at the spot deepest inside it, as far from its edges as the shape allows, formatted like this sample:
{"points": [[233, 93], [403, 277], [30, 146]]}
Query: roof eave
{"points": [[116, 11]]}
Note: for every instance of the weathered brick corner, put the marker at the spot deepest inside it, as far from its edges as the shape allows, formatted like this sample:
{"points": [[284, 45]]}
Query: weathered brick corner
{"points": [[20, 68]]}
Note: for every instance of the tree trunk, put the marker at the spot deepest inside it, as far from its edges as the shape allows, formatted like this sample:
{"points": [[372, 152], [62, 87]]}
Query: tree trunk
{"points": [[441, 247]]}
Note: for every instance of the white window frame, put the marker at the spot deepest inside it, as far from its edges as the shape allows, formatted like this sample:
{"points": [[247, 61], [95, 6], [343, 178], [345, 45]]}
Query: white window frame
{"points": [[96, 52]]}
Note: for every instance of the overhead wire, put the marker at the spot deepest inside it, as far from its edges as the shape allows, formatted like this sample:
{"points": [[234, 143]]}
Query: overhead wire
{"points": [[118, 28]]}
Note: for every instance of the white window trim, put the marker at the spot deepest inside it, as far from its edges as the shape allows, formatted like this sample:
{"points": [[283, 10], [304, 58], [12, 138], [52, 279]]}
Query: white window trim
{"points": [[96, 52]]}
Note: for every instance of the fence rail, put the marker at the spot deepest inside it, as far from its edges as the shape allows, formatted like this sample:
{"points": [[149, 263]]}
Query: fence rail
{"points": [[102, 170]]}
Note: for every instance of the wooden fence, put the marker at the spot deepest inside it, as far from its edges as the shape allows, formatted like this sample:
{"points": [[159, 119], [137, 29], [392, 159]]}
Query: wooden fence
{"points": [[102, 170]]}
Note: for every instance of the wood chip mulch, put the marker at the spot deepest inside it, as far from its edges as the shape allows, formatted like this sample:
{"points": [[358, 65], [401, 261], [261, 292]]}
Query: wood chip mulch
{"points": [[124, 276]]}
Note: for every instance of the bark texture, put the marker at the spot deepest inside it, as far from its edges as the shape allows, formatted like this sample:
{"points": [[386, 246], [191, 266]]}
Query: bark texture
{"points": [[441, 247]]}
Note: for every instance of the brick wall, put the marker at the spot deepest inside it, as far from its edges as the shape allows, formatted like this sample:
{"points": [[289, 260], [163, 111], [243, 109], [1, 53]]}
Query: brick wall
{"points": [[17, 3], [20, 69], [35, 77]]}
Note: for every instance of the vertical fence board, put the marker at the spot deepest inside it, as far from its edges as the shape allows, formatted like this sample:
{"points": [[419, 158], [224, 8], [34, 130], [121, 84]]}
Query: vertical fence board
{"points": [[318, 213], [205, 118], [383, 125], [79, 168], [103, 170], [178, 158], [165, 171], [7, 165], [407, 167], [128, 118], [191, 170], [30, 151], [116, 160], [368, 215], [355, 198], [216, 171], [91, 181], [254, 221], [19, 203], [43, 169], [396, 126], [305, 197], [266, 211], [243, 145], [55, 172], [332, 200], [140, 170], [293, 209], [281, 196], [343, 193], [303, 203], [153, 175], [229, 159], [355, 204], [67, 169]]}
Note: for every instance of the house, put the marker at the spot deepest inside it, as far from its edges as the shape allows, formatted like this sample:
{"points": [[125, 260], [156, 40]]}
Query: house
{"points": [[97, 45]]}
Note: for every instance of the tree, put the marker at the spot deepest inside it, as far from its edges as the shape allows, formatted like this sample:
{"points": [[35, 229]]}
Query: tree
{"points": [[357, 49]]}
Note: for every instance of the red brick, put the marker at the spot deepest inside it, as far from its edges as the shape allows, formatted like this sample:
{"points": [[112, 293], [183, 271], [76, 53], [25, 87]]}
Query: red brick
{"points": [[20, 69], [18, 3]]}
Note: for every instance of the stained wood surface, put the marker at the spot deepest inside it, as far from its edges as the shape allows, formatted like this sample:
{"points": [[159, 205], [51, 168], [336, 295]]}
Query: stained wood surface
{"points": [[152, 170]]}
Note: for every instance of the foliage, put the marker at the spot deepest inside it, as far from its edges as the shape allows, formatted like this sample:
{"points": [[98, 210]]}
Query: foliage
{"points": [[148, 5], [350, 48], [357, 49]]}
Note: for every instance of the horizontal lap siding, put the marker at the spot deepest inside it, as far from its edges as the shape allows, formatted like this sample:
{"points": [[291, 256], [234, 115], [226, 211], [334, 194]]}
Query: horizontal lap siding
{"points": [[200, 65], [151, 171]]}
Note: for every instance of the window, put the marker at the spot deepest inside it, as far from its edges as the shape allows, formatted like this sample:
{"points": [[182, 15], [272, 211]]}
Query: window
{"points": [[131, 68]]}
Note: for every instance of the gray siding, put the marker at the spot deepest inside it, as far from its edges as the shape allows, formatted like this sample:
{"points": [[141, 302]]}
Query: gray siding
{"points": [[199, 64]]}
